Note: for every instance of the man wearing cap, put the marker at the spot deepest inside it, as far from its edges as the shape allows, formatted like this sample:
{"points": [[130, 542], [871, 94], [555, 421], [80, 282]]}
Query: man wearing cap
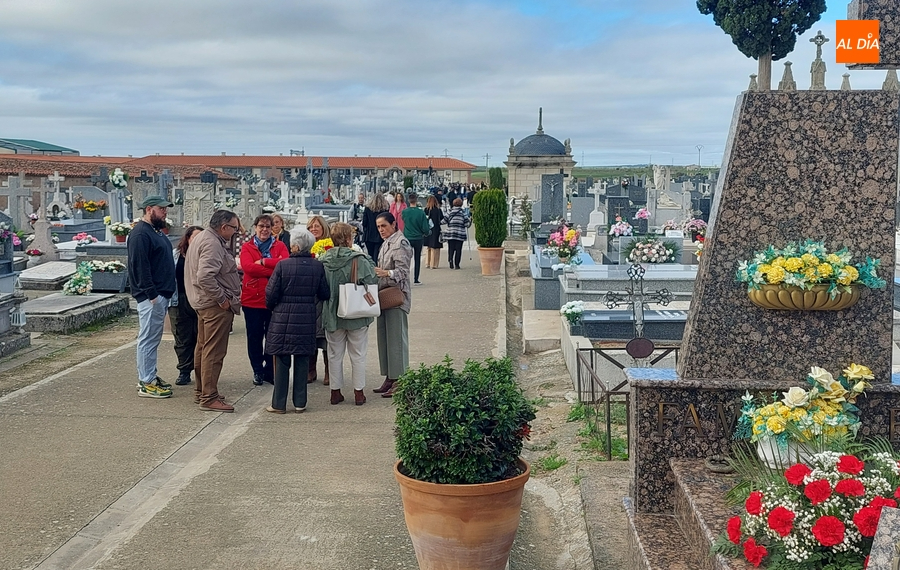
{"points": [[151, 276]]}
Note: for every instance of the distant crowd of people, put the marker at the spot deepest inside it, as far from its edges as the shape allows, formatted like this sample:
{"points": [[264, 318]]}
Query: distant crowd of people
{"points": [[289, 297]]}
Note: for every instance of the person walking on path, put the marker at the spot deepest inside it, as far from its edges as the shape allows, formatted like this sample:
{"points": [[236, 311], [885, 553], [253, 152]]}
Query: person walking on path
{"points": [[213, 288], [258, 259], [292, 294], [393, 324], [371, 236], [181, 314], [433, 243], [350, 335], [151, 275], [397, 207], [456, 221], [415, 229]]}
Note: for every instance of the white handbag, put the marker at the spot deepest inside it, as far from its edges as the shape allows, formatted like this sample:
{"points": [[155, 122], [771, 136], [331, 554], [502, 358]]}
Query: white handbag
{"points": [[356, 301]]}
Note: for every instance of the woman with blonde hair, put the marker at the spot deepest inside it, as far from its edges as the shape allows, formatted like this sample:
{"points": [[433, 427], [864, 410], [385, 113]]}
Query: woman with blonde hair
{"points": [[376, 205], [348, 335], [318, 227], [397, 208]]}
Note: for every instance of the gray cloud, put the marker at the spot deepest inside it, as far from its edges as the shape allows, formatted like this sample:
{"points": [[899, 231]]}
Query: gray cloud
{"points": [[625, 80]]}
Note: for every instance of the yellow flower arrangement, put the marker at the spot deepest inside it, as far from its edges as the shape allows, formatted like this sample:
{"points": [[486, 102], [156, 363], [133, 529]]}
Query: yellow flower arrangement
{"points": [[826, 409], [321, 246]]}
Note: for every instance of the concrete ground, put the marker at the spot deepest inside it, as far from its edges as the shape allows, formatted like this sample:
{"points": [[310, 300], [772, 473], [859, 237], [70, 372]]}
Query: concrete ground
{"points": [[92, 476]]}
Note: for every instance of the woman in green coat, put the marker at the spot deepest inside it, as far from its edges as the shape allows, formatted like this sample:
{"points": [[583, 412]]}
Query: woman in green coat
{"points": [[345, 335]]}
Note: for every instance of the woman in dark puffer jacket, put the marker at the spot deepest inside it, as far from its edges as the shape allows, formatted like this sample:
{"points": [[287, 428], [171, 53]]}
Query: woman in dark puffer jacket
{"points": [[293, 290]]}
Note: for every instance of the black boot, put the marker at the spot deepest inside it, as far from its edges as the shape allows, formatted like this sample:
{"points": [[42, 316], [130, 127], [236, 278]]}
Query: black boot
{"points": [[184, 378]]}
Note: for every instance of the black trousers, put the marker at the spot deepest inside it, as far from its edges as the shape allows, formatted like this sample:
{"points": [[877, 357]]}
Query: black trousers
{"points": [[417, 255], [257, 326], [184, 329], [454, 251], [373, 248], [282, 373]]}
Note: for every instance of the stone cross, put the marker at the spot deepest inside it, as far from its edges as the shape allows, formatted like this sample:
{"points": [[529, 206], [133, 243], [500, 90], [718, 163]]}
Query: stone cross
{"points": [[284, 190], [55, 179], [817, 70], [244, 205], [57, 204], [18, 199], [101, 179]]}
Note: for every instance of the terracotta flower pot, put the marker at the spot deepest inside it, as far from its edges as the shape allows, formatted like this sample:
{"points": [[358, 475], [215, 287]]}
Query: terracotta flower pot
{"points": [[462, 527], [120, 239], [490, 257]]}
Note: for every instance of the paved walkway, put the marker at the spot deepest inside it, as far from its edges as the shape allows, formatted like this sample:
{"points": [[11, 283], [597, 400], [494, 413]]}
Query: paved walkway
{"points": [[91, 476]]}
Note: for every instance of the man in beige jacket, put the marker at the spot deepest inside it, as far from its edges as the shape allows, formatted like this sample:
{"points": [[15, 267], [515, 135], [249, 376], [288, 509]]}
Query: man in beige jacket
{"points": [[213, 288]]}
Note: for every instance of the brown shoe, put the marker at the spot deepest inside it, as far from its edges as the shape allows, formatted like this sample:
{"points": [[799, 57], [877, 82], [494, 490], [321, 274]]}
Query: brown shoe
{"points": [[197, 398], [336, 397], [390, 393], [274, 410], [385, 386], [216, 406], [360, 397]]}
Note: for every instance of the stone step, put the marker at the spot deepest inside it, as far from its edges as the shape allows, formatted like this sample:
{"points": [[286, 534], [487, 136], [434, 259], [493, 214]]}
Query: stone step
{"points": [[656, 542], [701, 512]]}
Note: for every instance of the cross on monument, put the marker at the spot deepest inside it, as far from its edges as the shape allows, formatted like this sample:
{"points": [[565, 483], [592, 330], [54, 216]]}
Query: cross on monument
{"points": [[55, 178], [18, 199], [817, 69], [101, 179], [638, 347]]}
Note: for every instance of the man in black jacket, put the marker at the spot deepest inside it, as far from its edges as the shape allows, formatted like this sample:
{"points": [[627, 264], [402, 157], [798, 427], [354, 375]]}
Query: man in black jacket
{"points": [[151, 276]]}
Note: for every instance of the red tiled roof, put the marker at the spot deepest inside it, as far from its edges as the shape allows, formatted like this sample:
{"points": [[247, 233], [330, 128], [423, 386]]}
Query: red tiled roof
{"points": [[242, 161], [81, 166]]}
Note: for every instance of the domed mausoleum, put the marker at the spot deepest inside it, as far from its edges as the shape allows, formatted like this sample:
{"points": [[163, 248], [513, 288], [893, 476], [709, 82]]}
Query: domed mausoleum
{"points": [[534, 156]]}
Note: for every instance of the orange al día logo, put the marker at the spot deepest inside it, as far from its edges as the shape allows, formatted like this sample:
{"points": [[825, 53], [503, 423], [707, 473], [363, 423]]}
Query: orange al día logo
{"points": [[858, 41]]}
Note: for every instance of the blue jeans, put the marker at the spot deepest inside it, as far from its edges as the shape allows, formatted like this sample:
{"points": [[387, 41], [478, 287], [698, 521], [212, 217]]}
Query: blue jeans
{"points": [[151, 317], [257, 326]]}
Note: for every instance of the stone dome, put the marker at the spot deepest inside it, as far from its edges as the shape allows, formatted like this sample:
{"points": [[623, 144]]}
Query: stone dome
{"points": [[540, 145]]}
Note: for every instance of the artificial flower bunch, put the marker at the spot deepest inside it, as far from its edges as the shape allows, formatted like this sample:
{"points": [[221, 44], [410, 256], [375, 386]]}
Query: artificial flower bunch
{"points": [[694, 225], [642, 214], [80, 283], [820, 513], [620, 228], [826, 409], [34, 252], [321, 246], [5, 231], [119, 229], [671, 225], [118, 178], [573, 311], [699, 245], [84, 238], [563, 244], [107, 266], [93, 206], [808, 264], [651, 250]]}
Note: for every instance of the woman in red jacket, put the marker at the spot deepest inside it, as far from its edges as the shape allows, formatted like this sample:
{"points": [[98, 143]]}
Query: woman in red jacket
{"points": [[258, 259]]}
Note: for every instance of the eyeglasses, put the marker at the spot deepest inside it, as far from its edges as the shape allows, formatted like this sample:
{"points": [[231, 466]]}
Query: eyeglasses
{"points": [[235, 228], [263, 227]]}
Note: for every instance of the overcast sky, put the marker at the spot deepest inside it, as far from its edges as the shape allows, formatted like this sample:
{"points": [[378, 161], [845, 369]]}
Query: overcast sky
{"points": [[628, 81]]}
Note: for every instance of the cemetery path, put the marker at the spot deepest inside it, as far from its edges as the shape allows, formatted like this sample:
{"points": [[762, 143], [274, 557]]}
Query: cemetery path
{"points": [[91, 476]]}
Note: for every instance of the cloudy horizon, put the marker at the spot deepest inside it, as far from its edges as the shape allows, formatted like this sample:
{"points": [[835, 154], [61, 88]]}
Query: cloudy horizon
{"points": [[627, 82]]}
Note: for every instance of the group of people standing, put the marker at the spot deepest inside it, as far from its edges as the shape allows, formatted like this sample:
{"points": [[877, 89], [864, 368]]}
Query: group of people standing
{"points": [[289, 298]]}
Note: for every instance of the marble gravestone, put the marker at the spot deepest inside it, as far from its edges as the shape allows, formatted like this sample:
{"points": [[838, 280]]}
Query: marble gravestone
{"points": [[553, 203], [839, 155], [885, 11]]}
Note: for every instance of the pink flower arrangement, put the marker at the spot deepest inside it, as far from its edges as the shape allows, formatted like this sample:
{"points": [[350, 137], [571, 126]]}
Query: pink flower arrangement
{"points": [[620, 228], [563, 243], [642, 214], [84, 238]]}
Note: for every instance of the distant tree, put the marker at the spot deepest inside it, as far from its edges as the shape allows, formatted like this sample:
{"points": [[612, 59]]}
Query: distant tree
{"points": [[407, 182], [765, 30], [495, 175]]}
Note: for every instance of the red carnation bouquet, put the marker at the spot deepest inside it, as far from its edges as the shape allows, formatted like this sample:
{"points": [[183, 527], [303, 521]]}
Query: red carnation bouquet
{"points": [[818, 514]]}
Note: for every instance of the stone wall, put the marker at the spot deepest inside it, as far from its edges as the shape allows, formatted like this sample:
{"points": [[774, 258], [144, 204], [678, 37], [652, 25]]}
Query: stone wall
{"points": [[888, 14], [804, 164]]}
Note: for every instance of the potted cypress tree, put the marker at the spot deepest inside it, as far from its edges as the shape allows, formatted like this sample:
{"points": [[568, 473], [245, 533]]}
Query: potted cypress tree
{"points": [[458, 436], [489, 213]]}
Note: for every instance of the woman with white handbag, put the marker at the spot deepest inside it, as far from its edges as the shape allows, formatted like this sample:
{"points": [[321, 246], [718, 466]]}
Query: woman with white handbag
{"points": [[348, 314]]}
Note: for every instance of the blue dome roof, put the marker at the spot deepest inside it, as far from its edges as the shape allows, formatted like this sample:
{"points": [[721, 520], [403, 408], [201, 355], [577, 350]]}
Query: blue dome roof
{"points": [[540, 145]]}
